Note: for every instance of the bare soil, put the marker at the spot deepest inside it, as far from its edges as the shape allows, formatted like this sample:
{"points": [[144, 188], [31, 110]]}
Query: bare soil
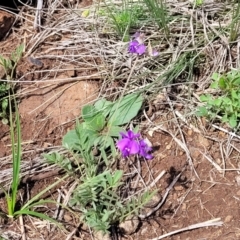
{"points": [[202, 192]]}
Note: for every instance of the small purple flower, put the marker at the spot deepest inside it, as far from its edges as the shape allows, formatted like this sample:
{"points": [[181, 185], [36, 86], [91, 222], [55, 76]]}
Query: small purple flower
{"points": [[135, 47], [155, 53], [144, 150], [128, 144], [131, 144]]}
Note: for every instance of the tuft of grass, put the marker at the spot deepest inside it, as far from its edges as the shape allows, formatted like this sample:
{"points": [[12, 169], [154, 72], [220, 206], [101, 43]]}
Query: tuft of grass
{"points": [[235, 24], [9, 65], [158, 12], [130, 15]]}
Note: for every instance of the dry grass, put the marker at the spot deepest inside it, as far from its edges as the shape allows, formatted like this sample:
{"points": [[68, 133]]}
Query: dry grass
{"points": [[196, 47]]}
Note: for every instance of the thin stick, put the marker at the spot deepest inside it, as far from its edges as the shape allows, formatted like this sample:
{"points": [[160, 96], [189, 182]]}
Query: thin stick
{"points": [[22, 227], [213, 222], [164, 197], [37, 20]]}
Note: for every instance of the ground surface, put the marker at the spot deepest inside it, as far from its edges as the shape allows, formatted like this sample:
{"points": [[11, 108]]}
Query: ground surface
{"points": [[203, 192]]}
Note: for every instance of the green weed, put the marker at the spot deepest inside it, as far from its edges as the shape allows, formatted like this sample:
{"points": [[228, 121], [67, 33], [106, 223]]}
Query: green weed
{"points": [[98, 195], [12, 193], [123, 19], [9, 66], [235, 24], [227, 105], [157, 11]]}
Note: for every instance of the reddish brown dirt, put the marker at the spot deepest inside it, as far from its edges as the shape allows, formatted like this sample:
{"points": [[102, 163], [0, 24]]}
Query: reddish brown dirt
{"points": [[46, 115]]}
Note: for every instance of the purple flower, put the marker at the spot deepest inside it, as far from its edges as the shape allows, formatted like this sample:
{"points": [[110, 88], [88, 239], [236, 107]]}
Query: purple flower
{"points": [[128, 145], [144, 150], [131, 144], [136, 47], [155, 53]]}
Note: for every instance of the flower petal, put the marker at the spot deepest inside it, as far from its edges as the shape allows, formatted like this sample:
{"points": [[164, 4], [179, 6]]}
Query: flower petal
{"points": [[133, 147], [144, 150], [132, 48], [131, 135], [141, 49], [155, 53], [123, 143]]}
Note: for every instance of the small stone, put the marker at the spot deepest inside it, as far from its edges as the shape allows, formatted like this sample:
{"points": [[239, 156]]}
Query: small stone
{"points": [[194, 152], [222, 134], [175, 196], [203, 141], [168, 147], [130, 225], [67, 217], [184, 207], [101, 236], [238, 180], [189, 132], [181, 153], [238, 192], [178, 188], [228, 218], [218, 161]]}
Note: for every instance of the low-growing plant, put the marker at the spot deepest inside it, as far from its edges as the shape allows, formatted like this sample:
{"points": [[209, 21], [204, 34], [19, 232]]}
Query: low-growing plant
{"points": [[235, 23], [225, 102], [12, 193], [98, 194], [9, 67], [101, 123], [129, 15], [158, 12]]}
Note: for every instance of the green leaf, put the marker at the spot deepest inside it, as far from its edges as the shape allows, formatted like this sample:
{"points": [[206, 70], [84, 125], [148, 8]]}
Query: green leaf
{"points": [[234, 95], [117, 176], [4, 104], [88, 112], [227, 100], [114, 131], [222, 83], [38, 215], [216, 76], [124, 111], [233, 121], [217, 102], [96, 123], [103, 106], [70, 140], [202, 112], [214, 85], [205, 98]]}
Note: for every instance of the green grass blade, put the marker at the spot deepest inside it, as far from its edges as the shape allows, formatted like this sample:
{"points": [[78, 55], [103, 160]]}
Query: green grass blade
{"points": [[35, 198], [39, 215]]}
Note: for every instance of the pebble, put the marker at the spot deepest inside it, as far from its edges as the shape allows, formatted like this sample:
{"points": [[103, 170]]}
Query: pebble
{"points": [[67, 217], [203, 141], [228, 218], [218, 161], [237, 178], [189, 132], [130, 225], [101, 236], [168, 147], [194, 152], [238, 192], [184, 207], [178, 188]]}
